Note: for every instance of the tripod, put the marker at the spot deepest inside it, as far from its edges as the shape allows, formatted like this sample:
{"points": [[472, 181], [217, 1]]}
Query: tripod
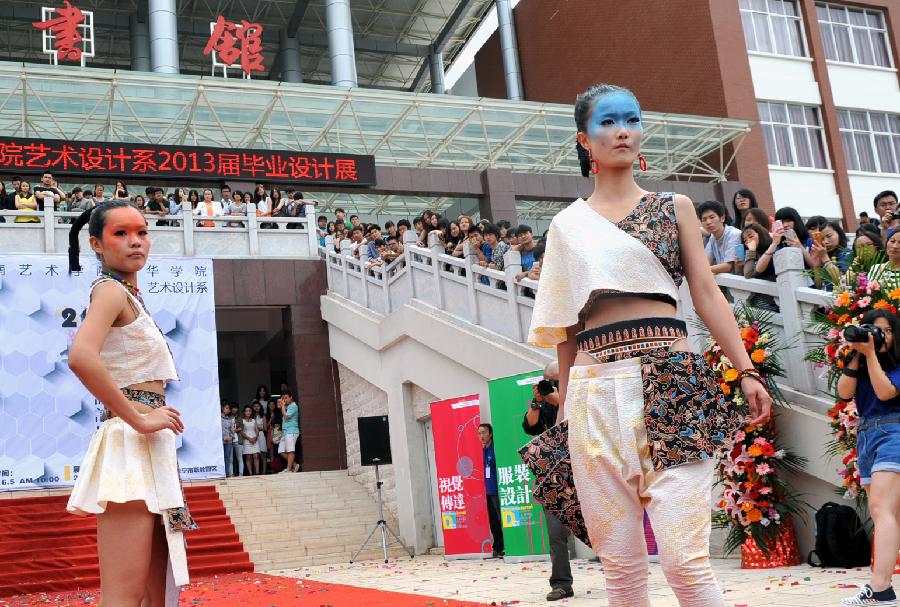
{"points": [[381, 525]]}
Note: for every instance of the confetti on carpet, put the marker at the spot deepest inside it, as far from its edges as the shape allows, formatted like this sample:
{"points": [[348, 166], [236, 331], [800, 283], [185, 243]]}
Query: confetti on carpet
{"points": [[256, 590]]}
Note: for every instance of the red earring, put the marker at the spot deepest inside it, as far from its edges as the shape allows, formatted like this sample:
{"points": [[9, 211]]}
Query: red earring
{"points": [[595, 166], [643, 162]]}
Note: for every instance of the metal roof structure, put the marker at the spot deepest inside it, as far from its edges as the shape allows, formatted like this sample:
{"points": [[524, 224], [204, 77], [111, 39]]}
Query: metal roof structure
{"points": [[393, 37], [398, 128]]}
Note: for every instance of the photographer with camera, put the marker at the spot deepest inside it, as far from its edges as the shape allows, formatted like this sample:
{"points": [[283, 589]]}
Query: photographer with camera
{"points": [[886, 210], [540, 417], [871, 375]]}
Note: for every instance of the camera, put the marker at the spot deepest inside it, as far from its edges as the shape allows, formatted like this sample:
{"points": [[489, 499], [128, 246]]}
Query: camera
{"points": [[545, 387], [895, 215], [860, 334]]}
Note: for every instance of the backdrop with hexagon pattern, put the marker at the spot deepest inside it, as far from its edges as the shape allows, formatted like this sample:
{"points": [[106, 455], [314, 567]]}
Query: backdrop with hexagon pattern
{"points": [[46, 415]]}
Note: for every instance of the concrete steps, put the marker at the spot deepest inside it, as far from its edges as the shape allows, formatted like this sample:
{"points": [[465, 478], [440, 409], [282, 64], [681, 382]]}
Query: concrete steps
{"points": [[298, 520]]}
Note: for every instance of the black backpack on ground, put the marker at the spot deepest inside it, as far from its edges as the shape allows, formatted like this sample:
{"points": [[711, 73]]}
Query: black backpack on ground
{"points": [[841, 538]]}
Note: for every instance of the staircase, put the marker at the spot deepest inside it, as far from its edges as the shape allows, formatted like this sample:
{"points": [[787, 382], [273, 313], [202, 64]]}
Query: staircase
{"points": [[308, 518], [43, 548]]}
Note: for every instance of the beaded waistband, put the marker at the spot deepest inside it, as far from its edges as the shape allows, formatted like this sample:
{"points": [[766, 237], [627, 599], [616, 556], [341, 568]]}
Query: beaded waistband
{"points": [[630, 338], [153, 400]]}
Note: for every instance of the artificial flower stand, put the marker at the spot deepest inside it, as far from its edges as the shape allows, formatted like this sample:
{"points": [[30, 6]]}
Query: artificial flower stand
{"points": [[783, 549]]}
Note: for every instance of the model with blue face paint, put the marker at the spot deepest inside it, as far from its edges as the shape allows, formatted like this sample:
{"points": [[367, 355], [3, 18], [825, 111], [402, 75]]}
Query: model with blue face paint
{"points": [[642, 413]]}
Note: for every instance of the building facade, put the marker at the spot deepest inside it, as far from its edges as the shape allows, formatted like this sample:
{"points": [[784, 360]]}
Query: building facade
{"points": [[819, 79]]}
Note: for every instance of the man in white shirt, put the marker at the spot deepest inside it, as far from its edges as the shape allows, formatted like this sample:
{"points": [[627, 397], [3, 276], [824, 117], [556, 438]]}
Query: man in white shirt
{"points": [[721, 249]]}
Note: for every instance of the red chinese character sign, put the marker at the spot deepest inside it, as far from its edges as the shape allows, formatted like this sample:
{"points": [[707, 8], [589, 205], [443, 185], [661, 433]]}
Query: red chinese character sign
{"points": [[235, 45], [130, 160], [460, 477], [67, 33]]}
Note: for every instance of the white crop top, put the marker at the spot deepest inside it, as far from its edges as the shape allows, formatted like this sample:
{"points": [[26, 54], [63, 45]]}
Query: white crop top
{"points": [[585, 253], [137, 352]]}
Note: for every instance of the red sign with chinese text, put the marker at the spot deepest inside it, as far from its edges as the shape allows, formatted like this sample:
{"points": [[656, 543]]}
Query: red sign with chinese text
{"points": [[460, 476], [233, 41], [65, 29], [137, 160]]}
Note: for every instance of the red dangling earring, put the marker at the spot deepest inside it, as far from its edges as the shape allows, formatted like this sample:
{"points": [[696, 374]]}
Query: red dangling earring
{"points": [[595, 166], [643, 162]]}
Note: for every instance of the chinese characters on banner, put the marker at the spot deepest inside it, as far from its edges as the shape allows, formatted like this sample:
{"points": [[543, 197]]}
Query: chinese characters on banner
{"points": [[460, 469], [524, 528], [69, 36], [169, 161], [230, 42]]}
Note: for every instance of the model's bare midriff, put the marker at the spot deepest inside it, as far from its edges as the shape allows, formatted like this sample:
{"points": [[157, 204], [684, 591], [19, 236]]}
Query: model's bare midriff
{"points": [[149, 386], [626, 307]]}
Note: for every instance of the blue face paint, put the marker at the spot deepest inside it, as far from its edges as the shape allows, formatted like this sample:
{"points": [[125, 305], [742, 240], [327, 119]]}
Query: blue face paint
{"points": [[616, 110]]}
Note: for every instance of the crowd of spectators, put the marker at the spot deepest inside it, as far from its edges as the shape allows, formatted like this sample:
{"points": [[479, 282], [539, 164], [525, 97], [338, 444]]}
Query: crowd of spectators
{"points": [[165, 208], [262, 437]]}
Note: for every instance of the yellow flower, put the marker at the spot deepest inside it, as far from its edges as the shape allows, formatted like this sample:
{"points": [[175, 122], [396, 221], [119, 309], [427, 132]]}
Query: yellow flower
{"points": [[758, 356], [894, 294], [843, 299], [755, 450], [731, 375]]}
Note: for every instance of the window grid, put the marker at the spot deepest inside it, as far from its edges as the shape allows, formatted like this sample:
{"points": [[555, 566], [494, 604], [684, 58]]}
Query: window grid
{"points": [[793, 134], [871, 141], [854, 35], [773, 26]]}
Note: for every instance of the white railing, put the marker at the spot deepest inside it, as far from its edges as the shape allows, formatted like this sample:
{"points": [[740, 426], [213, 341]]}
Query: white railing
{"points": [[179, 235], [504, 305]]}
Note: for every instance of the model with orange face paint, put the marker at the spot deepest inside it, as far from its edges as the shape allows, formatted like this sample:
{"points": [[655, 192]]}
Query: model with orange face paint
{"points": [[129, 476]]}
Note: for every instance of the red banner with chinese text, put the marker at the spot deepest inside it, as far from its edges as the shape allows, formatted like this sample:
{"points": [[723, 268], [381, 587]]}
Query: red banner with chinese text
{"points": [[161, 162], [460, 477]]}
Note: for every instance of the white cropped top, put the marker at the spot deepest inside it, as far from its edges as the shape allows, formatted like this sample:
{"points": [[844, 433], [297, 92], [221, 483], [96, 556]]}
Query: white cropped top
{"points": [[137, 352], [586, 253]]}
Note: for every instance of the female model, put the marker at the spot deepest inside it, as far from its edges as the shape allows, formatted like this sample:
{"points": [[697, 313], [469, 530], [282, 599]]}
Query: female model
{"points": [[871, 377], [644, 413], [129, 477]]}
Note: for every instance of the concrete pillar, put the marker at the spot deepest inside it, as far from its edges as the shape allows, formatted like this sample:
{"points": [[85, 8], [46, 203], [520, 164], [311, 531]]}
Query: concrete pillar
{"points": [[140, 45], [339, 27], [499, 200], [163, 36], [509, 49], [289, 49], [436, 62]]}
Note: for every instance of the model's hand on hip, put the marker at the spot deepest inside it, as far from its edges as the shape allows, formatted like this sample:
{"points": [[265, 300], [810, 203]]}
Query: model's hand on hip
{"points": [[758, 400], [160, 419]]}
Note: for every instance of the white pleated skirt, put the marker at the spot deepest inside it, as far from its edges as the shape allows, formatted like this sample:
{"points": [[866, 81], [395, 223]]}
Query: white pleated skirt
{"points": [[122, 465]]}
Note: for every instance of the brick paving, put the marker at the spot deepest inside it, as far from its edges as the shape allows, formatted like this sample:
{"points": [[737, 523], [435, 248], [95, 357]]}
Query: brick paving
{"points": [[525, 584]]}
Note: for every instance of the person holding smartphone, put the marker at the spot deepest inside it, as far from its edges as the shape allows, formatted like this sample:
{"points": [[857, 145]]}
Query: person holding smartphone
{"points": [[871, 376]]}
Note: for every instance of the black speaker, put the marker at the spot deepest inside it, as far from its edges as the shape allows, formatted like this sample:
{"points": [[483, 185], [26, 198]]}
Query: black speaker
{"points": [[374, 440]]}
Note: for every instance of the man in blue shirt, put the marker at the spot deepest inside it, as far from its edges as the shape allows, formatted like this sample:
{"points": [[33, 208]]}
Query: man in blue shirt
{"points": [[486, 434]]}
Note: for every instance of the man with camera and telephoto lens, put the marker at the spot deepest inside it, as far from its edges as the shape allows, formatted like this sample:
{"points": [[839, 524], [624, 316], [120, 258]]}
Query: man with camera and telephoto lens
{"points": [[886, 210], [540, 417]]}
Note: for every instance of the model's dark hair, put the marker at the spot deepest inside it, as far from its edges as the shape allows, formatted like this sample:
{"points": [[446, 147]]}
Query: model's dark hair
{"points": [[791, 214], [887, 359], [748, 194], [584, 105], [95, 218], [759, 215]]}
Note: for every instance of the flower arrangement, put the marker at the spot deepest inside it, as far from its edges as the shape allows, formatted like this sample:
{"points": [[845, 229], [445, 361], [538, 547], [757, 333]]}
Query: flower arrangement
{"points": [[755, 500], [867, 286]]}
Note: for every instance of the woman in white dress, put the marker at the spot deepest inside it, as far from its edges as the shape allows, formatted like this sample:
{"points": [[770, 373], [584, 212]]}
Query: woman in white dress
{"points": [[129, 477], [259, 415], [251, 435]]}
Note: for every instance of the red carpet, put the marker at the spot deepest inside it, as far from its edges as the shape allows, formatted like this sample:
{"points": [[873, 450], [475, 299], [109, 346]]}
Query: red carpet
{"points": [[259, 590], [45, 549]]}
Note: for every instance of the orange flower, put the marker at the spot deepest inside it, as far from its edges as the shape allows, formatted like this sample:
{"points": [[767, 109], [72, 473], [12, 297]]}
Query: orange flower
{"points": [[842, 320], [843, 299], [726, 388], [754, 516], [731, 375], [894, 294], [755, 450], [882, 305], [758, 356]]}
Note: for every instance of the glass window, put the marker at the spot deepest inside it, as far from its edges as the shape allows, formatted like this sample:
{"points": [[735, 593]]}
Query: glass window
{"points": [[854, 35], [773, 26], [793, 134], [871, 141]]}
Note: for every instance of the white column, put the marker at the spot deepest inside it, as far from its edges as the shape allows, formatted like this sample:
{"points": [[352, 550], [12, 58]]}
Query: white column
{"points": [[163, 36], [509, 49], [339, 28]]}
